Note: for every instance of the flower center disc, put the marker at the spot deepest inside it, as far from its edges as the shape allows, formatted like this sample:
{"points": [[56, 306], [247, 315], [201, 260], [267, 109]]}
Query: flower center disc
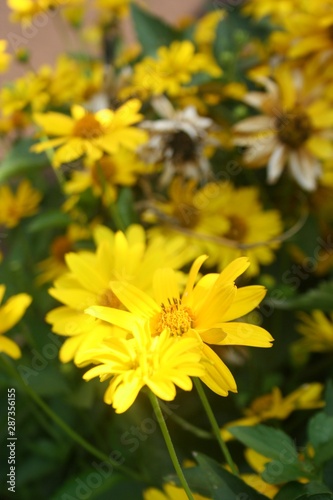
{"points": [[60, 246], [237, 230], [293, 129], [177, 318], [88, 127], [182, 147]]}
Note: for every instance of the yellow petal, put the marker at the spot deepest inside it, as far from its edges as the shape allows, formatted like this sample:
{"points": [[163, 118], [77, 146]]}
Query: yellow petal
{"points": [[123, 319], [218, 377], [192, 277], [247, 298], [13, 310], [245, 334], [9, 347], [136, 301], [54, 123], [165, 285]]}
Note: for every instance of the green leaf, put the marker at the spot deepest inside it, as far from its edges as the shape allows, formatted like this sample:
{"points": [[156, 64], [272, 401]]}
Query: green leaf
{"points": [[317, 298], [48, 219], [90, 483], [272, 443], [21, 161], [281, 471], [222, 484], [151, 31], [297, 491], [320, 429]]}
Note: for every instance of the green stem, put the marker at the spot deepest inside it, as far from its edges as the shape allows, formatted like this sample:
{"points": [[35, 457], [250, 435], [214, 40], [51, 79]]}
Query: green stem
{"points": [[214, 424], [168, 442], [68, 430], [200, 433]]}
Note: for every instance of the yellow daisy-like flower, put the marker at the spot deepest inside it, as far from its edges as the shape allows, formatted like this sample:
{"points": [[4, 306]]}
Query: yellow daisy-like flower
{"points": [[274, 405], [159, 363], [204, 311], [106, 174], [5, 58], [15, 206], [119, 256], [10, 313], [90, 134], [279, 11], [317, 331], [294, 129], [234, 216], [170, 492], [173, 68]]}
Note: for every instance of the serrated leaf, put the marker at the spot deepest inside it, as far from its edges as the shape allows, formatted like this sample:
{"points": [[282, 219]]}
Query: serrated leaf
{"points": [[151, 31], [272, 443], [21, 161], [47, 220], [222, 484]]}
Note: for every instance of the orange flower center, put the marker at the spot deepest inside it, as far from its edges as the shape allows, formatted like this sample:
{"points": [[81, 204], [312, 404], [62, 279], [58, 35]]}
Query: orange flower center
{"points": [[60, 246], [237, 230], [88, 127], [176, 317], [293, 129], [103, 170], [187, 214]]}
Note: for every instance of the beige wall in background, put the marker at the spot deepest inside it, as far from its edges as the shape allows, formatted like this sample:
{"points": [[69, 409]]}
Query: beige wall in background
{"points": [[53, 36]]}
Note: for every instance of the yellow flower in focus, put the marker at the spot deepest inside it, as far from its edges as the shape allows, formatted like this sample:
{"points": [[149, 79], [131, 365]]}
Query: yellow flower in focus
{"points": [[170, 492], [90, 134], [274, 405], [5, 58], [10, 313], [317, 331], [119, 256], [294, 129], [204, 311], [159, 363], [54, 266], [173, 68], [15, 206]]}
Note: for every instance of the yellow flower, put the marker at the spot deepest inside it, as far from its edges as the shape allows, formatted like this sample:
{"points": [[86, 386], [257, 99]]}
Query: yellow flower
{"points": [[54, 266], [14, 206], [159, 363], [204, 311], [279, 11], [4, 57], [24, 10], [119, 256], [90, 134], [294, 129], [317, 331], [173, 68], [222, 211], [170, 492], [121, 169], [113, 9], [10, 313], [274, 405], [205, 30]]}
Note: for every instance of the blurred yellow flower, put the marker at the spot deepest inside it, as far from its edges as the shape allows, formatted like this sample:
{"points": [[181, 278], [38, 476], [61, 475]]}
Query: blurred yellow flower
{"points": [[294, 129], [205, 311], [173, 68], [317, 331], [274, 405], [90, 134], [15, 206], [170, 492], [10, 313], [24, 10]]}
